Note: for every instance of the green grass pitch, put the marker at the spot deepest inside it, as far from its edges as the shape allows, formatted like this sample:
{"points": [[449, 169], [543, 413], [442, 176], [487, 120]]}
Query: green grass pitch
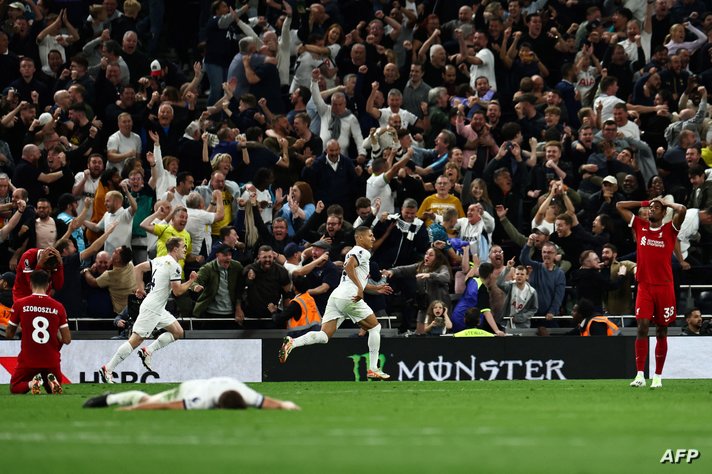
{"points": [[600, 426]]}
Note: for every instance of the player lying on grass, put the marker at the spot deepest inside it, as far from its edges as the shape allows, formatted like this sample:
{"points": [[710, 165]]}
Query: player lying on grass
{"points": [[206, 394]]}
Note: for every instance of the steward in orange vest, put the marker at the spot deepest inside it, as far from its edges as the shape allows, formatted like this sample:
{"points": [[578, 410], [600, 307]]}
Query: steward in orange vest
{"points": [[301, 314], [611, 330]]}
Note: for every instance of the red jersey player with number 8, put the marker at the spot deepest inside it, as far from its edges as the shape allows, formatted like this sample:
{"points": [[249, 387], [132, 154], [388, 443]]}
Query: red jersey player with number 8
{"points": [[656, 299], [44, 329]]}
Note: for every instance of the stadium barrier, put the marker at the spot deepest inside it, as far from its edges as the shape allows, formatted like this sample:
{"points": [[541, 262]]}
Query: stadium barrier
{"points": [[412, 359], [184, 360], [440, 358]]}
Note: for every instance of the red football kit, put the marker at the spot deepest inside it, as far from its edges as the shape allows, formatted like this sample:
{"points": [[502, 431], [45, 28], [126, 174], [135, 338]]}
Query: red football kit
{"points": [[656, 292], [25, 267], [40, 318]]}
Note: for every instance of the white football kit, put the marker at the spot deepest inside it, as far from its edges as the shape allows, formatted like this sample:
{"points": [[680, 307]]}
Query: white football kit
{"points": [[152, 312], [204, 394], [340, 304]]}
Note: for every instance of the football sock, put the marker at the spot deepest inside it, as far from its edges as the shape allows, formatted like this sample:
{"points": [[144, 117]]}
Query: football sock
{"points": [[641, 353], [161, 341], [122, 353], [374, 346], [132, 397], [660, 354], [312, 337]]}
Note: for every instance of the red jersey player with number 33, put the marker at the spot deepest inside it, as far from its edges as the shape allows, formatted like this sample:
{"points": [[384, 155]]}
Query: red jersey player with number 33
{"points": [[44, 330], [656, 291]]}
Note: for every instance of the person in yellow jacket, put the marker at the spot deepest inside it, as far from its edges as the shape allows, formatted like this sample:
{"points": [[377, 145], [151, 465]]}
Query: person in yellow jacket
{"points": [[472, 321], [301, 314]]}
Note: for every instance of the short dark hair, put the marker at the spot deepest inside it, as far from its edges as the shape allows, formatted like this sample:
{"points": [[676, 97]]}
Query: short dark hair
{"points": [[225, 231], [691, 310], [362, 229], [610, 246], [510, 130], [126, 254], [112, 47], [485, 270], [183, 175], [39, 279], [696, 170], [304, 93], [231, 399], [301, 284]]}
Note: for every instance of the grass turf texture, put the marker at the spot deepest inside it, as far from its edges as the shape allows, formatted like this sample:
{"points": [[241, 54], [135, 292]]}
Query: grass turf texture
{"points": [[402, 427]]}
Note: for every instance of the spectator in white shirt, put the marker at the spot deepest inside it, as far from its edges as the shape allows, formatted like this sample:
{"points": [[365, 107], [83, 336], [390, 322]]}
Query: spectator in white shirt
{"points": [[200, 220], [123, 144]]}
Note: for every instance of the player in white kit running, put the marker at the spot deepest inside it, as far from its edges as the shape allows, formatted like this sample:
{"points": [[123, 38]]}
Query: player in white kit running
{"points": [[346, 301], [165, 277], [217, 392]]}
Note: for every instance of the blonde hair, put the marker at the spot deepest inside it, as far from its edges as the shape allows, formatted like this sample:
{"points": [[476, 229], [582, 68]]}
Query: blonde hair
{"points": [[217, 159], [131, 7], [115, 195]]}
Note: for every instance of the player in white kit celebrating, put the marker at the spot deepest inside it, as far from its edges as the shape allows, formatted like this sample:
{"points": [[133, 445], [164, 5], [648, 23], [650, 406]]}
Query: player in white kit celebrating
{"points": [[165, 277], [347, 302], [207, 394]]}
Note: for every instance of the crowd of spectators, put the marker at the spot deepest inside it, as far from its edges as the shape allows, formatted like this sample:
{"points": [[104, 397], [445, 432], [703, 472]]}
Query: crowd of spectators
{"points": [[486, 144]]}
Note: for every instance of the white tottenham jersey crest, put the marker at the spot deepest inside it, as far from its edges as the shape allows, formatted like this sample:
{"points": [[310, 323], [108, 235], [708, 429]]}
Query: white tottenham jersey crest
{"points": [[346, 288], [164, 270]]}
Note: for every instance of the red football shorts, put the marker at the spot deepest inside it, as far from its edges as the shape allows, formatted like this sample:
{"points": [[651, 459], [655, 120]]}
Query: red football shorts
{"points": [[657, 303], [21, 377]]}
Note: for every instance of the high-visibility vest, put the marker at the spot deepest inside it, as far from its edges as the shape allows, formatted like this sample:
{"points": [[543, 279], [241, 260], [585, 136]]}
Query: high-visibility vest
{"points": [[5, 313], [310, 316], [612, 329]]}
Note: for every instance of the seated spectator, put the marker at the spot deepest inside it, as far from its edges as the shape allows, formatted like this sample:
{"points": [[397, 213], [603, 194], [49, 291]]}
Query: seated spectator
{"points": [[695, 325]]}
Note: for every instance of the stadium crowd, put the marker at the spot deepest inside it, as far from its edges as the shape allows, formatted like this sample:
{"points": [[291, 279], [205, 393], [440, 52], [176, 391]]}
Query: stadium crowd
{"points": [[485, 143]]}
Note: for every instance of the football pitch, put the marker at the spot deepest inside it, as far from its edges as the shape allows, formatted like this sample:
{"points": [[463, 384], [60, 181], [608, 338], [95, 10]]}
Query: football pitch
{"points": [[585, 426]]}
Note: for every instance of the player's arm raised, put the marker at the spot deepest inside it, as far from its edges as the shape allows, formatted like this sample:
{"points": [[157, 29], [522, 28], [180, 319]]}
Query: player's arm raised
{"points": [[624, 209], [678, 216]]}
